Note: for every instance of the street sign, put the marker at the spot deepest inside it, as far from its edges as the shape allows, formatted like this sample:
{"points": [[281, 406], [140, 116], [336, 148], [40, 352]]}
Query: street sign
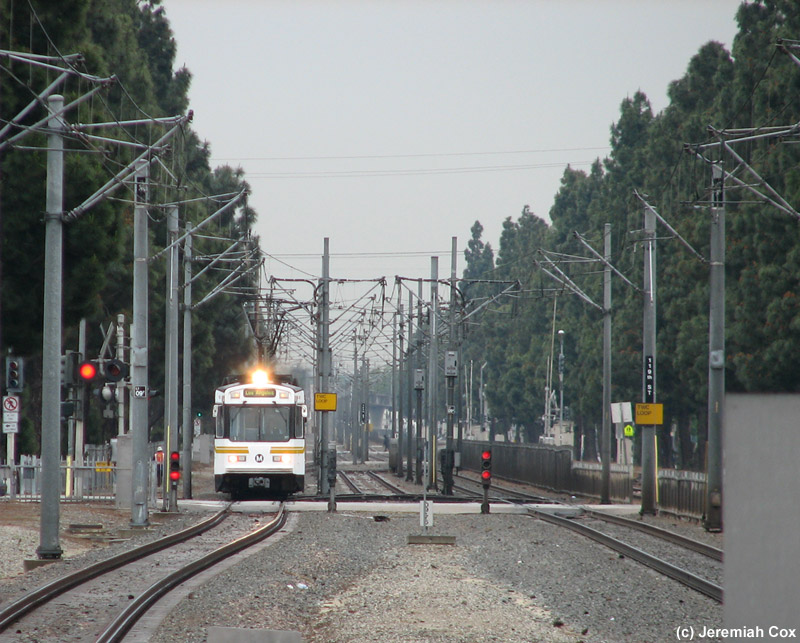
{"points": [[10, 427], [325, 401], [621, 412], [649, 414], [10, 402], [10, 416], [140, 392]]}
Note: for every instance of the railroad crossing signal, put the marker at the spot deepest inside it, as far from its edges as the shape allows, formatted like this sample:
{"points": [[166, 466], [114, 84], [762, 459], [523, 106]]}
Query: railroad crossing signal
{"points": [[486, 468], [174, 468], [88, 371], [114, 370]]}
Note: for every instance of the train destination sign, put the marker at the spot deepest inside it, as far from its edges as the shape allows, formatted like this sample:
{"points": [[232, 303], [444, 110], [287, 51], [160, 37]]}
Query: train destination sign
{"points": [[259, 392], [325, 401], [649, 414]]}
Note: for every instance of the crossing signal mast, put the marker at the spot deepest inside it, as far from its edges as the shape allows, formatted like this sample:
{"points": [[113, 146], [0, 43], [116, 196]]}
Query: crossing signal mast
{"points": [[486, 478]]}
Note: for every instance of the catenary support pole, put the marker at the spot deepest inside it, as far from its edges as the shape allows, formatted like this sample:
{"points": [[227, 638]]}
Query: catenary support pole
{"points": [[188, 432], [410, 388], [401, 364], [605, 484], [325, 367], [716, 354], [356, 415], [49, 547], [451, 374], [171, 356], [433, 358], [139, 339], [649, 472]]}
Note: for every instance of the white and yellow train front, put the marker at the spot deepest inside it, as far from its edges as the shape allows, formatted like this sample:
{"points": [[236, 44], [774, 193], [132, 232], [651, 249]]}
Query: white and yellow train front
{"points": [[260, 439]]}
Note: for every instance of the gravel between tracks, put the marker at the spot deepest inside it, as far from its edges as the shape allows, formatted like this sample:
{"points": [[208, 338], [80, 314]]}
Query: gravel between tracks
{"points": [[349, 577]]}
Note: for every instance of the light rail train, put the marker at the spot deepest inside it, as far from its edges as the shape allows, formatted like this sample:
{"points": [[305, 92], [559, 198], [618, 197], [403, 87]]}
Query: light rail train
{"points": [[260, 438]]}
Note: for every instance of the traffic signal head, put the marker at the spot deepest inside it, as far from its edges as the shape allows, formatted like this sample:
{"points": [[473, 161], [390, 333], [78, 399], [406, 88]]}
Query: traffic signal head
{"points": [[486, 467], [14, 374], [174, 467], [69, 368], [88, 372]]}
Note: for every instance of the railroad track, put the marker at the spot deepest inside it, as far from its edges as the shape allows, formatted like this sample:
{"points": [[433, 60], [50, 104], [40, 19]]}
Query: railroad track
{"points": [[703, 585], [89, 592], [708, 586], [369, 484]]}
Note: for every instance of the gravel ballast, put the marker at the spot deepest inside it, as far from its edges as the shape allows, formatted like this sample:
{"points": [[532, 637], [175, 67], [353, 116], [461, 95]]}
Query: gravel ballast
{"points": [[351, 576]]}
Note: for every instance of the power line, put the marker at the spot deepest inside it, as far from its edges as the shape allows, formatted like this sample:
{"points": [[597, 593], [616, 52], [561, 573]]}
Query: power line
{"points": [[407, 156]]}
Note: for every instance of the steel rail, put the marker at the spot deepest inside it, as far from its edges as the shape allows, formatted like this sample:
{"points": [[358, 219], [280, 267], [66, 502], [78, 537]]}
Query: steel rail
{"points": [[350, 484], [391, 487], [49, 591], [684, 577], [665, 534], [117, 629]]}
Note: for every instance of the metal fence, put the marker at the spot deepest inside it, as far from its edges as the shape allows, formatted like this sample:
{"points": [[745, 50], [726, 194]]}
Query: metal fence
{"points": [[587, 480], [545, 466], [93, 480], [682, 493]]}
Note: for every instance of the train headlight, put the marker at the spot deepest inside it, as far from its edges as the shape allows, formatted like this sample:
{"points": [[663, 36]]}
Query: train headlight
{"points": [[284, 459], [237, 458]]}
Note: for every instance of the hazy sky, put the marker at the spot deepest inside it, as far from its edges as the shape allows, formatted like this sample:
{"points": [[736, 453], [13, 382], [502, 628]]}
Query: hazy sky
{"points": [[392, 126]]}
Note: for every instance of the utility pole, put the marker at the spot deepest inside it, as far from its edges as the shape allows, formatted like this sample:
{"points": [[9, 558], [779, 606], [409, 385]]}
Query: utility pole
{"points": [[605, 485], [649, 473], [139, 340], [716, 353], [49, 547], [188, 432]]}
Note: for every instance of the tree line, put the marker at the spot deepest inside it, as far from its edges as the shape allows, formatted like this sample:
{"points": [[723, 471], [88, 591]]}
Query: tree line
{"points": [[133, 41], [754, 85]]}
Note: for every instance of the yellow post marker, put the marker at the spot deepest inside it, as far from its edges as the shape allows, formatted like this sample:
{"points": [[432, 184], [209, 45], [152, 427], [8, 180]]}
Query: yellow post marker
{"points": [[325, 401], [649, 414]]}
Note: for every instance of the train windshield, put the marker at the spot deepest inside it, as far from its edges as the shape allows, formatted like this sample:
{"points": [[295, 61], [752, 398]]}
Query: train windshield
{"points": [[261, 424]]}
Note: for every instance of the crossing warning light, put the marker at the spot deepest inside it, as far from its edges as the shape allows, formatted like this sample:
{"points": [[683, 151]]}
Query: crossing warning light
{"points": [[114, 370], [486, 467], [174, 467], [87, 372]]}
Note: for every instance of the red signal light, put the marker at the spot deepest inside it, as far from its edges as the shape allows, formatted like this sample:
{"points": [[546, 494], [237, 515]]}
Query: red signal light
{"points": [[87, 371], [486, 467], [174, 466]]}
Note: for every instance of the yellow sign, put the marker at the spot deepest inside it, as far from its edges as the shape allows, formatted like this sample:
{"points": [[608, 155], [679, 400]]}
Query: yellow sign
{"points": [[649, 414], [325, 401], [102, 467], [628, 431]]}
